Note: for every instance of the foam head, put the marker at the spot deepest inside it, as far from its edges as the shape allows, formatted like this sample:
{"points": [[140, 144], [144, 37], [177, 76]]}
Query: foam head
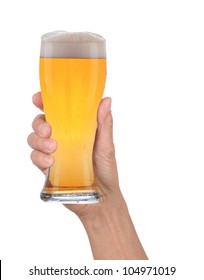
{"points": [[72, 45]]}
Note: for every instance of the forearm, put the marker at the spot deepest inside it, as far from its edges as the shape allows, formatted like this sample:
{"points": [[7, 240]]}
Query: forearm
{"points": [[112, 234]]}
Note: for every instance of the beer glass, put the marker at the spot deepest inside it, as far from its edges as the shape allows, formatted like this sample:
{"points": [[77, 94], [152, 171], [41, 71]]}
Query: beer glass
{"points": [[72, 80]]}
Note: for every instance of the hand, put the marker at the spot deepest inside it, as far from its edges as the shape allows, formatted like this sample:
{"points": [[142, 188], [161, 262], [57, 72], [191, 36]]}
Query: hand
{"points": [[108, 224], [104, 162]]}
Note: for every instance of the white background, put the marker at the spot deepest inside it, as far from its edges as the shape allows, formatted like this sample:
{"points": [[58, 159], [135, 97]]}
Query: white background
{"points": [[156, 80]]}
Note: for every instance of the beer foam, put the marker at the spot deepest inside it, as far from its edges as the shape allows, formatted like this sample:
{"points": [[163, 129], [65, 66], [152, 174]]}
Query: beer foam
{"points": [[72, 45]]}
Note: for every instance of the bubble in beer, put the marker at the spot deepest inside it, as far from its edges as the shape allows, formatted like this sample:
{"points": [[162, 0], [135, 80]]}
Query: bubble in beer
{"points": [[63, 44]]}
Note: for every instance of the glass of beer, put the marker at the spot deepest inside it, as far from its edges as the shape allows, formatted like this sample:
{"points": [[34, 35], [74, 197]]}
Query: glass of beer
{"points": [[72, 80]]}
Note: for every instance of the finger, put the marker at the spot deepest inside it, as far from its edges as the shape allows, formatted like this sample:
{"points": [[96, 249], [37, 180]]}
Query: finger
{"points": [[41, 127], [41, 160], [44, 145], [37, 100]]}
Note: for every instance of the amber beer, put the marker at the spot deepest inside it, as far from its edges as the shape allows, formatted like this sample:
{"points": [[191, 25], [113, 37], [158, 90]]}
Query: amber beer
{"points": [[72, 79]]}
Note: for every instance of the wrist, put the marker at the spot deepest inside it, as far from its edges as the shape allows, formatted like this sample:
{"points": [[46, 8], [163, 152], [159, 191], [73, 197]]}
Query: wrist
{"points": [[111, 232], [108, 209]]}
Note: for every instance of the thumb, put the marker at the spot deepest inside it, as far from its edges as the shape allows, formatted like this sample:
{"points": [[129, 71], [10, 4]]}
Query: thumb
{"points": [[104, 162], [104, 135]]}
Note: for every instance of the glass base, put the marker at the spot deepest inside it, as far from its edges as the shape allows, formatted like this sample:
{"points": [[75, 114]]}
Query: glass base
{"points": [[71, 198]]}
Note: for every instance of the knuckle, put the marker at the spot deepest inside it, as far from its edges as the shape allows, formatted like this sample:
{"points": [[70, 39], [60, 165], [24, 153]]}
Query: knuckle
{"points": [[36, 158], [37, 119], [30, 139], [110, 152], [106, 154], [33, 157], [110, 120], [37, 142]]}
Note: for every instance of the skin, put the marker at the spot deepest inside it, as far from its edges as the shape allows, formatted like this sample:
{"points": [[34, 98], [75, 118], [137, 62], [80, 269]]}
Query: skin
{"points": [[109, 227]]}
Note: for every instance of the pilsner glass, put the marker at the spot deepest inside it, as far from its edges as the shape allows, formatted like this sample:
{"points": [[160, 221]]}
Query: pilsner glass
{"points": [[72, 80]]}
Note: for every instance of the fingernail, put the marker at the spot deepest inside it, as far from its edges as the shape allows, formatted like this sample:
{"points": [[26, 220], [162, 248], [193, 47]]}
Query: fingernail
{"points": [[44, 128], [110, 104], [50, 145], [48, 160]]}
